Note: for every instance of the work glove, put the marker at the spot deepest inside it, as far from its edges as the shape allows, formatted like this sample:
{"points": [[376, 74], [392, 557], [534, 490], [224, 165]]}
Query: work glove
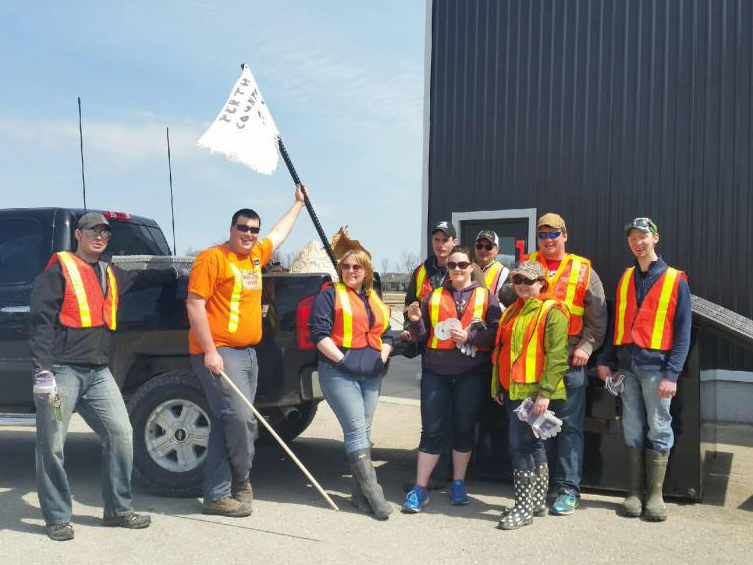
{"points": [[615, 384], [468, 348], [545, 426], [44, 383]]}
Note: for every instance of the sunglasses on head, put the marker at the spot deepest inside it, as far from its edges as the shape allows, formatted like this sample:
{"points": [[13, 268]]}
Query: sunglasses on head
{"points": [[462, 265], [549, 234], [247, 229], [355, 267], [103, 233], [487, 246], [520, 279]]}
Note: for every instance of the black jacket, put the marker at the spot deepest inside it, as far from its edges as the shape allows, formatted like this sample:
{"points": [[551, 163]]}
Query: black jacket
{"points": [[53, 343]]}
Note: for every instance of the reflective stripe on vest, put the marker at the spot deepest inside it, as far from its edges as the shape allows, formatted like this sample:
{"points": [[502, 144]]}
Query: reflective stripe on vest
{"points": [[84, 303], [113, 291], [423, 284], [569, 284], [442, 307], [235, 300], [78, 287], [351, 327], [491, 275], [651, 325]]}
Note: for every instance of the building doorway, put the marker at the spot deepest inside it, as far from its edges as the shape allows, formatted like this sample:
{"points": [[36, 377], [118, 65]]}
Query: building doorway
{"points": [[515, 229]]}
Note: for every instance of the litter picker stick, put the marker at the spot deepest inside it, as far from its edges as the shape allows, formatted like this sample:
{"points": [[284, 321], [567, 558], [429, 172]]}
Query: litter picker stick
{"points": [[81, 146], [279, 440], [172, 207], [307, 201]]}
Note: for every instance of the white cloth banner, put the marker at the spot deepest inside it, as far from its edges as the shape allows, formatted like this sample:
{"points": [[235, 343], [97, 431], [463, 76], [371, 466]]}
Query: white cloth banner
{"points": [[244, 131]]}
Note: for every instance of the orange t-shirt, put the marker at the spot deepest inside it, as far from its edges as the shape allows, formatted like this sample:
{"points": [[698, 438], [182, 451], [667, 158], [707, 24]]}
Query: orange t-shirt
{"points": [[231, 285]]}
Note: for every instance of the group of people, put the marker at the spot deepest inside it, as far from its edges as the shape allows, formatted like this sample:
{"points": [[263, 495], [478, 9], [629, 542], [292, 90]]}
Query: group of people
{"points": [[522, 333]]}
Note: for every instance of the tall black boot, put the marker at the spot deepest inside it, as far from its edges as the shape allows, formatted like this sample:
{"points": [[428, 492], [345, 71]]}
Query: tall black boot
{"points": [[365, 475], [538, 492], [656, 469], [522, 512]]}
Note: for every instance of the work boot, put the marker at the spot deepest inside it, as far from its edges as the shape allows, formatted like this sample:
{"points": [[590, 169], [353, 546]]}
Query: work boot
{"points": [[130, 521], [632, 506], [59, 532], [365, 476], [538, 494], [242, 491], [226, 507], [656, 468], [522, 512], [357, 498]]}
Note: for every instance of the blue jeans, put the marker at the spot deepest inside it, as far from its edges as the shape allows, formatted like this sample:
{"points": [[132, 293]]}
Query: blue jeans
{"points": [[565, 449], [230, 449], [526, 450], [642, 408], [458, 397], [353, 399], [93, 392]]}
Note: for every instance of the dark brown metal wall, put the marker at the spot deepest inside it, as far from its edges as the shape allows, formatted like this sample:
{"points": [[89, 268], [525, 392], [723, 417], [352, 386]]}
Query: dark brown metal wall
{"points": [[603, 110]]}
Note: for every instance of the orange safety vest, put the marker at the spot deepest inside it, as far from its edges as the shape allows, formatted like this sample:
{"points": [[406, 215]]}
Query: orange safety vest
{"points": [[492, 273], [529, 365], [84, 305], [423, 284], [652, 325], [442, 307], [351, 328], [569, 285]]}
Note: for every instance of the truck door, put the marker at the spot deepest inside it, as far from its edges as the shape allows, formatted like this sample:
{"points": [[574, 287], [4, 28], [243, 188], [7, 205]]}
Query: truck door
{"points": [[22, 257], [514, 234]]}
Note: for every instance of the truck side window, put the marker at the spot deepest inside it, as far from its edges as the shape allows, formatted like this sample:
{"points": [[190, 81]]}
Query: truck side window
{"points": [[20, 251]]}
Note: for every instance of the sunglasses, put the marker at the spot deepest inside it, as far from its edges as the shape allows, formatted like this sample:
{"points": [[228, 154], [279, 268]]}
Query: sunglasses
{"points": [[549, 234], [519, 279], [462, 265], [487, 246], [355, 267], [103, 233], [247, 229]]}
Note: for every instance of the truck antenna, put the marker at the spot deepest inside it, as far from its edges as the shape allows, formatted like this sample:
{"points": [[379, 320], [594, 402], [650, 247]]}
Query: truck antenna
{"points": [[172, 207], [81, 141]]}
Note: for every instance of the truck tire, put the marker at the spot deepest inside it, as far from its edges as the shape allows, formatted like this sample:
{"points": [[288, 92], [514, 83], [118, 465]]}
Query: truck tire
{"points": [[170, 419], [289, 422]]}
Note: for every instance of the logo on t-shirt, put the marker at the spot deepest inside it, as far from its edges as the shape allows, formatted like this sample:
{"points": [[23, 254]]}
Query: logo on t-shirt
{"points": [[251, 279]]}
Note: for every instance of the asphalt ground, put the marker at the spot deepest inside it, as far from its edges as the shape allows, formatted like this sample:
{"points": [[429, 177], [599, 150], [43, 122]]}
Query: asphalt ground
{"points": [[292, 523]]}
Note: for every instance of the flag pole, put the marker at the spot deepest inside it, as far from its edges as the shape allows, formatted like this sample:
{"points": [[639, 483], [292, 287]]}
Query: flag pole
{"points": [[172, 207], [81, 147], [307, 202]]}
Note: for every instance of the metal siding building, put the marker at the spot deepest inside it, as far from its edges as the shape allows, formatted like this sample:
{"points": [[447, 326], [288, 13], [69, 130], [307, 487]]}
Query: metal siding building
{"points": [[600, 110]]}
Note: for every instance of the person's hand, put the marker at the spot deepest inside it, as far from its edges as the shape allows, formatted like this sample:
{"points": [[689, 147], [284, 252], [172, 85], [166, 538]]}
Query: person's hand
{"points": [[580, 357], [667, 389], [405, 335], [500, 399], [603, 371], [459, 335], [213, 363], [414, 311], [541, 405], [300, 191]]}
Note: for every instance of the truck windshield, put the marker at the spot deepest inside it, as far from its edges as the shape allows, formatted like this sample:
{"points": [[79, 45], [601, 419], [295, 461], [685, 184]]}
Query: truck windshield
{"points": [[132, 238]]}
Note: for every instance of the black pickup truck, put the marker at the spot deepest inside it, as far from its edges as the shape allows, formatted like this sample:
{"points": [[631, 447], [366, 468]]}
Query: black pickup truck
{"points": [[150, 349]]}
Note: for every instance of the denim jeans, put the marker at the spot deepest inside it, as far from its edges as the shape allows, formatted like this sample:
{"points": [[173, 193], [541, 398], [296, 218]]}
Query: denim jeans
{"points": [[230, 449], [353, 399], [565, 450], [93, 392], [526, 450], [642, 408], [457, 397]]}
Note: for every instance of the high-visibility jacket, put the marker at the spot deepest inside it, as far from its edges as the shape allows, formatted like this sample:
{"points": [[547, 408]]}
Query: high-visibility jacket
{"points": [[442, 306], [650, 326], [84, 305], [528, 365], [351, 327], [423, 284], [492, 274], [569, 284]]}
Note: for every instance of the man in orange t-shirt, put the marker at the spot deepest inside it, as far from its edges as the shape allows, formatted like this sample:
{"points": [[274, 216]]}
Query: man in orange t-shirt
{"points": [[224, 308]]}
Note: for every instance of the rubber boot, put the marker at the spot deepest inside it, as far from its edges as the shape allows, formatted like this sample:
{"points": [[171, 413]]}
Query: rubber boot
{"points": [[365, 475], [632, 506], [522, 512], [358, 500], [656, 469], [538, 495]]}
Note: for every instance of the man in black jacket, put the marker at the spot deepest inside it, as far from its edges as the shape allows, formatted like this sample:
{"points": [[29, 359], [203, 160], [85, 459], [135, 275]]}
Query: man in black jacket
{"points": [[73, 314]]}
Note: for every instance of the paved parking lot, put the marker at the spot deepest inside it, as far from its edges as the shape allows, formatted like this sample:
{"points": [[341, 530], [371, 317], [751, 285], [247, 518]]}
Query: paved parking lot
{"points": [[292, 524]]}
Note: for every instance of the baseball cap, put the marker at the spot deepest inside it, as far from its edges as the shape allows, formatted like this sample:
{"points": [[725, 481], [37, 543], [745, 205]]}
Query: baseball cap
{"points": [[532, 270], [643, 224], [445, 227], [90, 220], [490, 235], [553, 221]]}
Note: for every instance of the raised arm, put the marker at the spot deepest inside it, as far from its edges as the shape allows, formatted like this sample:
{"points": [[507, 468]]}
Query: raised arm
{"points": [[281, 229]]}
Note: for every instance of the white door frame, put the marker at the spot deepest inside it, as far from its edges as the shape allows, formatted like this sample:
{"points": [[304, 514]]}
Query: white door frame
{"points": [[514, 214]]}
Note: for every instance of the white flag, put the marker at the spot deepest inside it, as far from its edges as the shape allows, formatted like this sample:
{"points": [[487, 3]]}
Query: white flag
{"points": [[244, 131]]}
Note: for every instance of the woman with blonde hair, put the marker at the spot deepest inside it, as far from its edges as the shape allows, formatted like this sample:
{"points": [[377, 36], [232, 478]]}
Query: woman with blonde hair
{"points": [[349, 325]]}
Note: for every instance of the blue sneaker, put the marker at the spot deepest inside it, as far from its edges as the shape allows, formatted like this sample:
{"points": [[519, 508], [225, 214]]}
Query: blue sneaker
{"points": [[416, 499], [457, 492], [565, 504]]}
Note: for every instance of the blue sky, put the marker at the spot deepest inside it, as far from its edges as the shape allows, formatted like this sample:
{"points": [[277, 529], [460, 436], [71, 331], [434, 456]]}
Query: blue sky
{"points": [[344, 82]]}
